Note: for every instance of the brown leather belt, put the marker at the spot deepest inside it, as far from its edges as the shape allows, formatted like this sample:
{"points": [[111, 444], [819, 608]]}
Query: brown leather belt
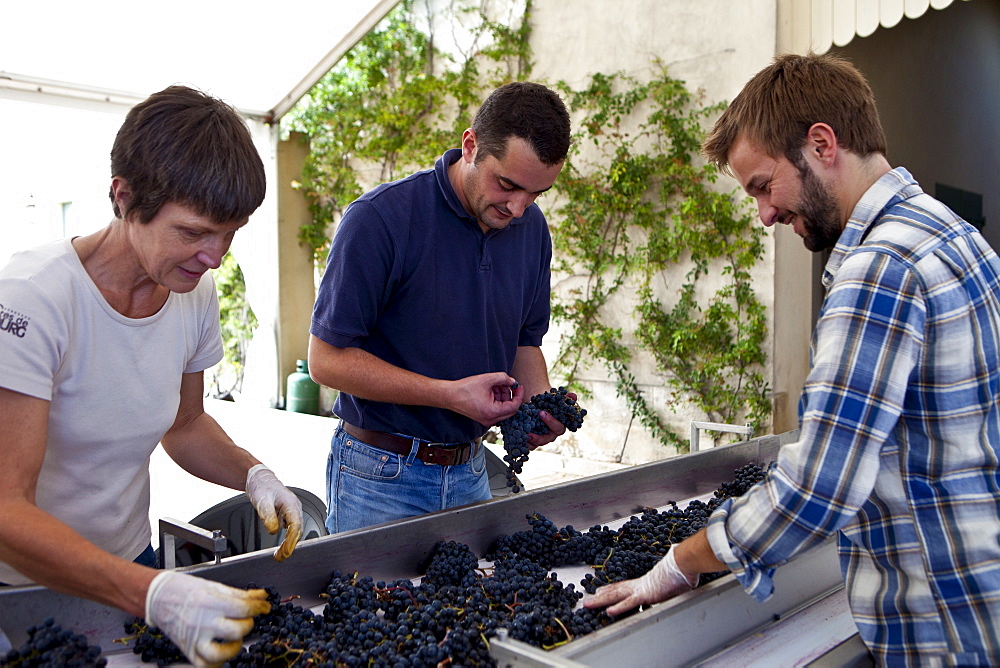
{"points": [[444, 454]]}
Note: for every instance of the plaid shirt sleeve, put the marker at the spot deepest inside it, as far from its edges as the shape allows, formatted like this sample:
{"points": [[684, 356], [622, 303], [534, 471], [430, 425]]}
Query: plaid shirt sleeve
{"points": [[866, 345], [899, 443]]}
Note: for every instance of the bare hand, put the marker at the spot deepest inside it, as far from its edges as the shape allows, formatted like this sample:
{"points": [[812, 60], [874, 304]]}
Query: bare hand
{"points": [[488, 398], [504, 393]]}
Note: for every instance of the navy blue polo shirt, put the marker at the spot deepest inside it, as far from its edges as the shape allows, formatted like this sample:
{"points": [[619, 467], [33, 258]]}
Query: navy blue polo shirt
{"points": [[412, 279]]}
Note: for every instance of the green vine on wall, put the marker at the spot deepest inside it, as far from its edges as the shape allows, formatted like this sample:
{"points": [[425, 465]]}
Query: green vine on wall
{"points": [[642, 215], [238, 323], [396, 102]]}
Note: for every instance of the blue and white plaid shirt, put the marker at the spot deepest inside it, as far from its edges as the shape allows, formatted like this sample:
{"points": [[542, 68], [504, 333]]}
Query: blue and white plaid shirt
{"points": [[900, 437]]}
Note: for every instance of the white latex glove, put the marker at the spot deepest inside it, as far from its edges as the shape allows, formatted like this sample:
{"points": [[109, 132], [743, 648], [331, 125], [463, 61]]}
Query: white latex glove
{"points": [[207, 620], [664, 580], [270, 498]]}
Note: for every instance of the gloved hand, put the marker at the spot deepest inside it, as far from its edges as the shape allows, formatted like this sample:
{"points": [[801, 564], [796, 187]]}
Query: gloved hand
{"points": [[271, 499], [665, 580], [194, 612]]}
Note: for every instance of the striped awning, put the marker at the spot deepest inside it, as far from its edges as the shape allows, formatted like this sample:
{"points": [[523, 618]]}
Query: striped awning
{"points": [[817, 25]]}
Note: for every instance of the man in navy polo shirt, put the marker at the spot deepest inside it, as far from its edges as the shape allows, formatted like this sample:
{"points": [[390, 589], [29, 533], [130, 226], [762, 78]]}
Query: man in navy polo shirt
{"points": [[430, 316]]}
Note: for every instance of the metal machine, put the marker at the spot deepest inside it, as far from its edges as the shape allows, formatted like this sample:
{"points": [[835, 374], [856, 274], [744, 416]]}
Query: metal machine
{"points": [[806, 622]]}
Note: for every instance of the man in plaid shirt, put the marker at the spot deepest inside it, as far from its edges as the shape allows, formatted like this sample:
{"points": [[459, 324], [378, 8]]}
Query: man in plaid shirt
{"points": [[900, 415]]}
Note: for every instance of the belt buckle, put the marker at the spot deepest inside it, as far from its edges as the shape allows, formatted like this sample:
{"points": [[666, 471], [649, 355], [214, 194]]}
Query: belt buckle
{"points": [[446, 454]]}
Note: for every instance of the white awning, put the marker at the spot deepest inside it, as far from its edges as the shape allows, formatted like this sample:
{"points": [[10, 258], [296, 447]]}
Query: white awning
{"points": [[259, 56], [817, 25]]}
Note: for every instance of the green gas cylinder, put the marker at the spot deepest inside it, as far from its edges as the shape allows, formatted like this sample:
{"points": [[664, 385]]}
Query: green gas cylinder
{"points": [[302, 394]]}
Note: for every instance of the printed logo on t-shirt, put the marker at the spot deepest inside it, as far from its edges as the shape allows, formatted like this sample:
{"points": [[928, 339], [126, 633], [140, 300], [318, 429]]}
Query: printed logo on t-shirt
{"points": [[13, 322]]}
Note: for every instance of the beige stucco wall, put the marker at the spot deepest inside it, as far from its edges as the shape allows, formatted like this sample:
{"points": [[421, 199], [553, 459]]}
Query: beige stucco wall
{"points": [[712, 45], [295, 267]]}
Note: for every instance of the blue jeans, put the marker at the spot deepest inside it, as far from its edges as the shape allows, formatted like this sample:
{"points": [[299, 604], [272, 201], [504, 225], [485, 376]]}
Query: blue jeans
{"points": [[148, 558], [366, 485]]}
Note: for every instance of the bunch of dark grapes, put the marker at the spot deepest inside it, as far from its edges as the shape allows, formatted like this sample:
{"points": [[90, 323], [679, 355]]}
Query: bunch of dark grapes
{"points": [[49, 644], [747, 476], [557, 403], [152, 645], [347, 595], [420, 625], [449, 617], [446, 619], [550, 546], [517, 428], [286, 635], [451, 563], [628, 552]]}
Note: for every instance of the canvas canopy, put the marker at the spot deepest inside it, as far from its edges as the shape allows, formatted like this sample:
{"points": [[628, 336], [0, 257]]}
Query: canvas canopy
{"points": [[259, 56]]}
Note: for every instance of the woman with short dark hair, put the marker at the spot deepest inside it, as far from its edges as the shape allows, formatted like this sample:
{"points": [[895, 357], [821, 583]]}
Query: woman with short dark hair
{"points": [[109, 339]]}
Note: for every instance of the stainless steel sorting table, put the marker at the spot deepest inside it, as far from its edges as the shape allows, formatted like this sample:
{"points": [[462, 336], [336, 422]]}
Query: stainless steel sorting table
{"points": [[703, 627]]}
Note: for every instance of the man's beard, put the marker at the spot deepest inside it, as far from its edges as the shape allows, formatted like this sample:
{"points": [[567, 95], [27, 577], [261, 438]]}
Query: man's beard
{"points": [[817, 209]]}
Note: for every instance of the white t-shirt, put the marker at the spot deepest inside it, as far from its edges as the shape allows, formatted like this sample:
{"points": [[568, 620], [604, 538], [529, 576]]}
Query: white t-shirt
{"points": [[113, 383]]}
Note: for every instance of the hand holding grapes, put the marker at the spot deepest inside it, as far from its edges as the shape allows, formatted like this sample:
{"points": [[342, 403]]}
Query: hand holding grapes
{"points": [[487, 398], [543, 419], [207, 620], [555, 427]]}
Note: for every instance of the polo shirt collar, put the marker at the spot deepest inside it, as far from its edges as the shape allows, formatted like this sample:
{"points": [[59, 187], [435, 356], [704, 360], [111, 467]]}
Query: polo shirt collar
{"points": [[451, 197], [444, 183]]}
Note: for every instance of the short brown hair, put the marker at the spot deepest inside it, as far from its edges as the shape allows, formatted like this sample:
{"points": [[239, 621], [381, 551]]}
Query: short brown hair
{"points": [[183, 146], [776, 108], [527, 110]]}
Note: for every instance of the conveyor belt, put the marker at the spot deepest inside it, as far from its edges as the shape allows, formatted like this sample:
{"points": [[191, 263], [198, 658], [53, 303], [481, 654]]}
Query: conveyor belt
{"points": [[690, 629]]}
